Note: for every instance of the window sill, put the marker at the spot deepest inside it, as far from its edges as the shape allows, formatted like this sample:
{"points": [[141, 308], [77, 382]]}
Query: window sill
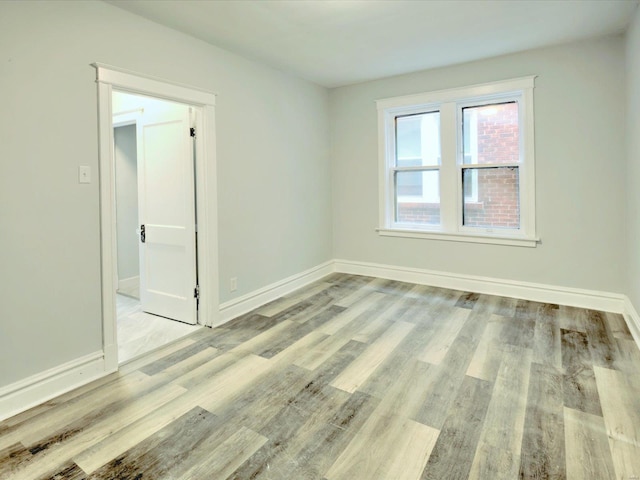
{"points": [[460, 237]]}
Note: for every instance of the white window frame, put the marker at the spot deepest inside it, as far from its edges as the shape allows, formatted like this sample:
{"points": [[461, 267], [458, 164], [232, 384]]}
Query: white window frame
{"points": [[450, 103]]}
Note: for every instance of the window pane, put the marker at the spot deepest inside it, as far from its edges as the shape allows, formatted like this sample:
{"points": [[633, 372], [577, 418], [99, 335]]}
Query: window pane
{"points": [[418, 140], [493, 199], [421, 208], [491, 134]]}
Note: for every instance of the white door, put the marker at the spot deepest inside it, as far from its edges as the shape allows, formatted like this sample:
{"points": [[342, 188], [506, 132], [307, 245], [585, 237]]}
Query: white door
{"points": [[166, 202]]}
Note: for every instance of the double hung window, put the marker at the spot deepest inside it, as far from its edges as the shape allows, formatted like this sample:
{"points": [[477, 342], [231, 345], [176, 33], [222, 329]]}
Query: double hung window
{"points": [[459, 164]]}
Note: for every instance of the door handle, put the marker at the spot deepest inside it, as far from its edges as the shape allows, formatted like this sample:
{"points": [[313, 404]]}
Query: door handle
{"points": [[142, 234]]}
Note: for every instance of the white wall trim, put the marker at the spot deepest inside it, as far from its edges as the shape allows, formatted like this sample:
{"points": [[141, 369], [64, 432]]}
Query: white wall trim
{"points": [[633, 319], [126, 285], [29, 392], [146, 84], [605, 301], [241, 305], [107, 78]]}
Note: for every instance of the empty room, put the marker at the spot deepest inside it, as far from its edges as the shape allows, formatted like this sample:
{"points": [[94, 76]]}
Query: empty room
{"points": [[320, 239]]}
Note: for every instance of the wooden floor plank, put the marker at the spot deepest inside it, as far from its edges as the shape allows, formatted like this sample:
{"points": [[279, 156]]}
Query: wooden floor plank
{"points": [[155, 456], [618, 326], [588, 455], [227, 457], [69, 471], [357, 296], [260, 342], [543, 447], [488, 354], [377, 384], [498, 452], [13, 456], [604, 352], [467, 300], [104, 451], [621, 408], [126, 438], [368, 304], [55, 419], [63, 445], [176, 357], [455, 447], [359, 378], [137, 363], [298, 331], [230, 381], [320, 440], [381, 443], [357, 373], [572, 318], [446, 379], [291, 300], [579, 384], [629, 355], [499, 446], [406, 393], [547, 340], [442, 338]]}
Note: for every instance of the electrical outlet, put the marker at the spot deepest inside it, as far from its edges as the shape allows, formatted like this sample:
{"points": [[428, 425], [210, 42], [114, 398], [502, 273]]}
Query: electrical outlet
{"points": [[233, 284]]}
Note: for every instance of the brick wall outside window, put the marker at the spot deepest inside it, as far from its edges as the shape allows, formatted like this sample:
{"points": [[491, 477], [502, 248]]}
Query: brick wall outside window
{"points": [[497, 202]]}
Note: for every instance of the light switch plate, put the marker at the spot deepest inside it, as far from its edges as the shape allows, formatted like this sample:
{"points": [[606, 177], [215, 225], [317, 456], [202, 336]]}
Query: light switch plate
{"points": [[84, 174]]}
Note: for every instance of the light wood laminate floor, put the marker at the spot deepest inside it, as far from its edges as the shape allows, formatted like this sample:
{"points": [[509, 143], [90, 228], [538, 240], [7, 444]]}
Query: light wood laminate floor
{"points": [[356, 378]]}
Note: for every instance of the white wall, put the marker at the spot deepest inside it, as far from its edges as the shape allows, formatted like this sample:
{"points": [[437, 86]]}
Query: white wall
{"points": [[633, 160], [273, 169], [126, 201], [580, 134]]}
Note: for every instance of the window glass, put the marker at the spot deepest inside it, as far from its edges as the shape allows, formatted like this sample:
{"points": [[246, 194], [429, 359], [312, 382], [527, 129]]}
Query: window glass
{"points": [[497, 201], [418, 140], [423, 209], [491, 134]]}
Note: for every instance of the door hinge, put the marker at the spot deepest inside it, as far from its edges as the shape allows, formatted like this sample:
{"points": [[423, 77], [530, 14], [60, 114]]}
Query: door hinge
{"points": [[192, 132], [196, 292]]}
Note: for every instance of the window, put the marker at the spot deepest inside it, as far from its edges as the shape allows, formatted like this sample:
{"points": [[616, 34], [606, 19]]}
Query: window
{"points": [[459, 164]]}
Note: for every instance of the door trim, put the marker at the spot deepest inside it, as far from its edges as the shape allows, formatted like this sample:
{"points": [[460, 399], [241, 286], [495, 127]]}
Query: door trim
{"points": [[108, 78]]}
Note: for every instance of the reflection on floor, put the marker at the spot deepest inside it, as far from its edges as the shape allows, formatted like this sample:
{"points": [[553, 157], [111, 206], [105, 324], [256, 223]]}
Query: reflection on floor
{"points": [[140, 332]]}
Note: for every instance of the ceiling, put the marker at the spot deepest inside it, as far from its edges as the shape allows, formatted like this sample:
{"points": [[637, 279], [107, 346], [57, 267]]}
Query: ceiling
{"points": [[339, 42]]}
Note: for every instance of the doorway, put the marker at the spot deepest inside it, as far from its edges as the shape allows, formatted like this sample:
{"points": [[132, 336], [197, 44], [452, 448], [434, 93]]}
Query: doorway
{"points": [[159, 238], [154, 162]]}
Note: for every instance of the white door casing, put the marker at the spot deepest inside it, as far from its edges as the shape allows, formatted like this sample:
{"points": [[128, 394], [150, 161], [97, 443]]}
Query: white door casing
{"points": [[167, 212], [109, 78]]}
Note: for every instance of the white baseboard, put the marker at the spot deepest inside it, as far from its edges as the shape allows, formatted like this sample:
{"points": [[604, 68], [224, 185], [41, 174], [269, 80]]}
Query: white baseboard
{"points": [[633, 320], [241, 305], [575, 297], [596, 300], [39, 388], [129, 285]]}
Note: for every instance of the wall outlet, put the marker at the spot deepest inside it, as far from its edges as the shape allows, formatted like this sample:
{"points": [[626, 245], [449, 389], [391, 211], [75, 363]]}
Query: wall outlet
{"points": [[233, 284]]}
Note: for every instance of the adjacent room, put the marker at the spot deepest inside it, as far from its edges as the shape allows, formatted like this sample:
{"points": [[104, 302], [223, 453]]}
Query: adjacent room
{"points": [[321, 239]]}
